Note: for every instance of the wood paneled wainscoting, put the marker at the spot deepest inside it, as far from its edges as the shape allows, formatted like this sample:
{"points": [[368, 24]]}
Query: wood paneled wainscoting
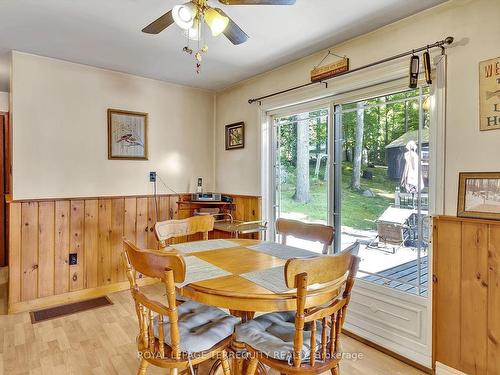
{"points": [[43, 234], [466, 294]]}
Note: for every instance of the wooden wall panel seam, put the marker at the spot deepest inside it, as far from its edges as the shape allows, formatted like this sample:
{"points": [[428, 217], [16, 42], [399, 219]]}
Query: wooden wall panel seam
{"points": [[29, 253], [46, 239], [493, 334]]}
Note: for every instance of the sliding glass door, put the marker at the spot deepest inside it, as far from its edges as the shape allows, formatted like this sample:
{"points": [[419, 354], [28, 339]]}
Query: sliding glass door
{"points": [[363, 165], [301, 169], [383, 158], [384, 187]]}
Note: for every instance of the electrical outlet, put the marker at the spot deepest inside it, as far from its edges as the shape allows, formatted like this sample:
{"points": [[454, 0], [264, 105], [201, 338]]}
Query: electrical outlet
{"points": [[73, 259], [152, 176]]}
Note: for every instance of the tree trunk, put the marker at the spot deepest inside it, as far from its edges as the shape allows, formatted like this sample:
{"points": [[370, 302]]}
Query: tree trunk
{"points": [[318, 138], [358, 147], [302, 182]]}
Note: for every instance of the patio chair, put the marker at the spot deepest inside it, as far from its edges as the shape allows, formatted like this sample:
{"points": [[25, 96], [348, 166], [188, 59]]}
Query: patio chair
{"points": [[392, 229]]}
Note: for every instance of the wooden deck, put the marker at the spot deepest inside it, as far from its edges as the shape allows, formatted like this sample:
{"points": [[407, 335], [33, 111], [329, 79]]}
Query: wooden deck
{"points": [[405, 274]]}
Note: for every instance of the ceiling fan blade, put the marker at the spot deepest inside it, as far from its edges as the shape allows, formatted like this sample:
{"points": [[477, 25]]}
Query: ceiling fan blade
{"points": [[257, 2], [160, 24], [233, 32]]}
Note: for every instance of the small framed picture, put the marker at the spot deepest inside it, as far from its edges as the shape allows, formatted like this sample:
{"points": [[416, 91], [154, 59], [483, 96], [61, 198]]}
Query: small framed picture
{"points": [[479, 195], [235, 136], [127, 135]]}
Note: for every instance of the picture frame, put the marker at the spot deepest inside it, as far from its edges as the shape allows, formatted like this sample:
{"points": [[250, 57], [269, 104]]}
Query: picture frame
{"points": [[127, 135], [479, 195], [235, 136]]}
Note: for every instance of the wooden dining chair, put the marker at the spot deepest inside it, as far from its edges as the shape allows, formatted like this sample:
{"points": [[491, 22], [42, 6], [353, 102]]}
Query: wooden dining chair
{"points": [[168, 229], [305, 341], [306, 231], [170, 336]]}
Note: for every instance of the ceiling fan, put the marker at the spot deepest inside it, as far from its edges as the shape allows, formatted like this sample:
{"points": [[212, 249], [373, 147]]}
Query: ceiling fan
{"points": [[195, 14]]}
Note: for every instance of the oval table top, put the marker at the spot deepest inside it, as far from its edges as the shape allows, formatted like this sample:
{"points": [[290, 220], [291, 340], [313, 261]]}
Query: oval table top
{"points": [[242, 287]]}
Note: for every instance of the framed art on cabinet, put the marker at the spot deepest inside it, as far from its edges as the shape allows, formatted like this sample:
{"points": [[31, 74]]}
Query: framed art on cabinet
{"points": [[479, 195]]}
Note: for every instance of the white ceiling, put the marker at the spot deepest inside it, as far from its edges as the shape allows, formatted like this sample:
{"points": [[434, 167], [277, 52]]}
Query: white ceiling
{"points": [[106, 33]]}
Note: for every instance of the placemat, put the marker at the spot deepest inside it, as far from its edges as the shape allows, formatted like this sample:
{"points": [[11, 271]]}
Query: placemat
{"points": [[283, 251], [198, 246], [199, 270], [272, 279]]}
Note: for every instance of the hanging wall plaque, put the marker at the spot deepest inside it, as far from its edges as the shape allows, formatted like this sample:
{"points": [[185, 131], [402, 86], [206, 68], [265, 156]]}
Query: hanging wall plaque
{"points": [[489, 94], [321, 73]]}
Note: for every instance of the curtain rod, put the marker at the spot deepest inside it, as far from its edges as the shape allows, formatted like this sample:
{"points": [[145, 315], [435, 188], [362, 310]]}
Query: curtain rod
{"points": [[439, 44]]}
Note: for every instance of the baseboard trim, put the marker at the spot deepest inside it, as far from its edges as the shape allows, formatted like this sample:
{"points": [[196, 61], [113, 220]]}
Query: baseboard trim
{"points": [[397, 356], [442, 369], [75, 296]]}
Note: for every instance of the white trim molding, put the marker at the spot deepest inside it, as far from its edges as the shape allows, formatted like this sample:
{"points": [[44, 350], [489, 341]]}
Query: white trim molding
{"points": [[446, 370]]}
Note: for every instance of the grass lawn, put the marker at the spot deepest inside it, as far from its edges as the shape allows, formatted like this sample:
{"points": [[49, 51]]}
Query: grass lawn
{"points": [[358, 211]]}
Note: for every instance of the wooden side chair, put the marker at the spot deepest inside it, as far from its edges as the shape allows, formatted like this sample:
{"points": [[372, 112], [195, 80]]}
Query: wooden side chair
{"points": [[305, 341], [170, 336], [312, 232], [168, 229]]}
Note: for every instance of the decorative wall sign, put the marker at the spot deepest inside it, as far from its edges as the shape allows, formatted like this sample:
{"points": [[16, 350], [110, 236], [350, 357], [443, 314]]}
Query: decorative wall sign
{"points": [[489, 94], [479, 195], [331, 70], [235, 136], [127, 135]]}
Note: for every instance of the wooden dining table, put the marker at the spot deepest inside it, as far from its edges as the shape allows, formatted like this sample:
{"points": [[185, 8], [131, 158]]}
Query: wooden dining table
{"points": [[237, 293]]}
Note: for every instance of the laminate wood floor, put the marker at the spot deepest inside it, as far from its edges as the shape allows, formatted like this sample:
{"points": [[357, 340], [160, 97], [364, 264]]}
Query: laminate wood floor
{"points": [[102, 342]]}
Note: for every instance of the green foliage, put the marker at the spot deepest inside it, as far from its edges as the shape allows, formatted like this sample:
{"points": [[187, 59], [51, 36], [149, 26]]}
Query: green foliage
{"points": [[384, 122], [358, 211], [318, 130]]}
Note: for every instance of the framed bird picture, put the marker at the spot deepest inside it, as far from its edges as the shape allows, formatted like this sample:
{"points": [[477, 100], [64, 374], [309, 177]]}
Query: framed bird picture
{"points": [[127, 135]]}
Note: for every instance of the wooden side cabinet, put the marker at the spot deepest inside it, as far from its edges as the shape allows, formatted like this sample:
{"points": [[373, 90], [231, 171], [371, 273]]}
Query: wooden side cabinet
{"points": [[466, 294]]}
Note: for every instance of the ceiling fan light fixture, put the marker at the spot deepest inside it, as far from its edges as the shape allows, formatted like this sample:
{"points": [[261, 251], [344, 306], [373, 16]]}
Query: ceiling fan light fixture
{"points": [[216, 21], [184, 15]]}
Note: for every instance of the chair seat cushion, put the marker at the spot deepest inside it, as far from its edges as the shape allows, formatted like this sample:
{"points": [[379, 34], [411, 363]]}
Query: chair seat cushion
{"points": [[273, 335], [200, 326]]}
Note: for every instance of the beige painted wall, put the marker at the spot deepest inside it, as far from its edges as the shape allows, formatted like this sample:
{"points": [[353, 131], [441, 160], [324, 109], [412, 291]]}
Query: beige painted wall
{"points": [[476, 28], [4, 101], [60, 131]]}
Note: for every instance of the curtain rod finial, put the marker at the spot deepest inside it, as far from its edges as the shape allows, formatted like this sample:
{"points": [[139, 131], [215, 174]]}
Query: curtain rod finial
{"points": [[449, 40]]}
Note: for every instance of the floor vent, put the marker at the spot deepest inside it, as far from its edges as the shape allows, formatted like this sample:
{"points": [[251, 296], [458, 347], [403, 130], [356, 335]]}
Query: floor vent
{"points": [[72, 308]]}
